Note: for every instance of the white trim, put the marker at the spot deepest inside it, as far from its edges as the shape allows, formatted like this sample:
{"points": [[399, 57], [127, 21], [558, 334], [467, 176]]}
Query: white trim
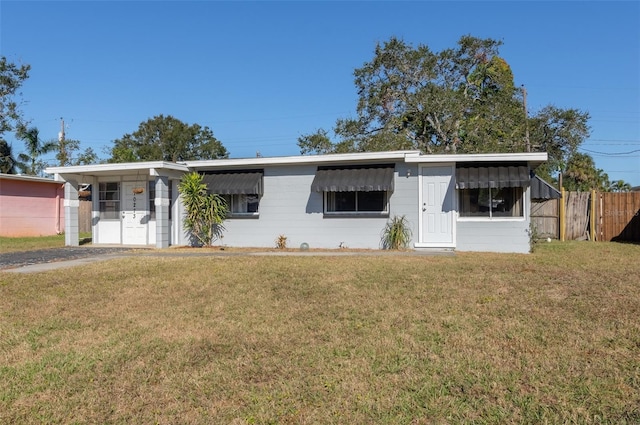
{"points": [[21, 177], [117, 167], [304, 159], [454, 212], [490, 218], [490, 157]]}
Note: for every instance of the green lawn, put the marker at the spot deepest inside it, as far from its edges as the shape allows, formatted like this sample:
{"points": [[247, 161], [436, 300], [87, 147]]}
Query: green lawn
{"points": [[41, 242], [550, 337]]}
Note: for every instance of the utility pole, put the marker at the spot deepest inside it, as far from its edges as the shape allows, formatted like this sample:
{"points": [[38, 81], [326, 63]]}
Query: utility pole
{"points": [[526, 119], [63, 148]]}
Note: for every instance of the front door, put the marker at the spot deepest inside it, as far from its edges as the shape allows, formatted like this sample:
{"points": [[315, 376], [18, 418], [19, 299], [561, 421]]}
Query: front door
{"points": [[437, 219], [134, 214]]}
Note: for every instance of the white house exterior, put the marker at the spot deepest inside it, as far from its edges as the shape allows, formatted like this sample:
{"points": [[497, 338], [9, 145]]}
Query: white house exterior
{"points": [[477, 202]]}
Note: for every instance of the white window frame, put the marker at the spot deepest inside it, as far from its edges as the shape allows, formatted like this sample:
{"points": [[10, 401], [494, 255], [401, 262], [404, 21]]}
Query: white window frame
{"points": [[231, 199], [102, 201], [490, 217]]}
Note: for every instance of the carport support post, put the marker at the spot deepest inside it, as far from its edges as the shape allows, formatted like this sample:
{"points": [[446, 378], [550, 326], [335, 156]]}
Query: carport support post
{"points": [[162, 203], [71, 214]]}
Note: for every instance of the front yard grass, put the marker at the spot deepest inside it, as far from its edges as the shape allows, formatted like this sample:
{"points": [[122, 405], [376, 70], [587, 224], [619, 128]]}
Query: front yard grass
{"points": [[550, 337], [40, 242]]}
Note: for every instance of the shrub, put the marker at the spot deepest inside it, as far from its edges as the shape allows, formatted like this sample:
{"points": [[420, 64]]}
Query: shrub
{"points": [[397, 233]]}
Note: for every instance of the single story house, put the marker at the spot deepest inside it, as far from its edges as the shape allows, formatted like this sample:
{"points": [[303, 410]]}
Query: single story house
{"points": [[30, 206], [466, 202]]}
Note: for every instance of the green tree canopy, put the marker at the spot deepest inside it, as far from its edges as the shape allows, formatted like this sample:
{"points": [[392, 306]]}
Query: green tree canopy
{"points": [[448, 101], [458, 100], [582, 174], [167, 139], [559, 132], [11, 78], [35, 147], [68, 153], [9, 163]]}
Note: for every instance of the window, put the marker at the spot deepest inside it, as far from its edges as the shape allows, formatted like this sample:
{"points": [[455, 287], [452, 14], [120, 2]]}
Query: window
{"points": [[242, 205], [109, 200], [374, 202], [491, 202], [152, 199]]}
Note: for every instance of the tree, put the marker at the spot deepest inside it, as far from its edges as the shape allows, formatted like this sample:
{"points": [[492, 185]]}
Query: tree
{"points": [[11, 78], [8, 162], [205, 213], [68, 154], [460, 100], [167, 139], [559, 132], [619, 186], [581, 174], [449, 101], [35, 149]]}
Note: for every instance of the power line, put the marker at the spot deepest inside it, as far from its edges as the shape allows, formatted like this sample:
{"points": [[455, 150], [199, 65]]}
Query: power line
{"points": [[611, 153]]}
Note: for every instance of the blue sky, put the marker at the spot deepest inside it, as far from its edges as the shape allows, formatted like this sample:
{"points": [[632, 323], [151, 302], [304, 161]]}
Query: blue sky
{"points": [[261, 74]]}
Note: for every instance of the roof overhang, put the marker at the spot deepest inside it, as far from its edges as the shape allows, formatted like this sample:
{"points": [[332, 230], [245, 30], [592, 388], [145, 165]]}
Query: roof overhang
{"points": [[345, 158], [151, 168], [532, 158], [23, 178]]}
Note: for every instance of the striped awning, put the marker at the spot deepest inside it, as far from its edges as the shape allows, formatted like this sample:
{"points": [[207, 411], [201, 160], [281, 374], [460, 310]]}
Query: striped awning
{"points": [[234, 183], [353, 180], [494, 177], [540, 189]]}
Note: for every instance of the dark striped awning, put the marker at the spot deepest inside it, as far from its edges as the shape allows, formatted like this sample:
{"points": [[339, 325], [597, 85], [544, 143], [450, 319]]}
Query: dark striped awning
{"points": [[234, 183], [353, 180], [540, 189], [494, 177]]}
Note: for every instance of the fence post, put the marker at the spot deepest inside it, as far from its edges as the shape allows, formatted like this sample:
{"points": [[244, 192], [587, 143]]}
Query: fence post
{"points": [[592, 217], [562, 215]]}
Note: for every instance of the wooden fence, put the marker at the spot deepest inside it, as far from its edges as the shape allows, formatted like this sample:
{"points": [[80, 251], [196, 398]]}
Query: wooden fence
{"points": [[577, 215], [544, 218], [618, 216], [608, 216], [84, 217]]}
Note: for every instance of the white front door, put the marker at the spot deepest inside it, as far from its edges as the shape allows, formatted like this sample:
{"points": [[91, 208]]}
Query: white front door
{"points": [[134, 214], [438, 211]]}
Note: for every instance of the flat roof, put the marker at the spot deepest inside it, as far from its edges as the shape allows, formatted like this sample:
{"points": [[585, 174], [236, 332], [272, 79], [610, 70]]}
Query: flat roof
{"points": [[408, 156], [27, 178]]}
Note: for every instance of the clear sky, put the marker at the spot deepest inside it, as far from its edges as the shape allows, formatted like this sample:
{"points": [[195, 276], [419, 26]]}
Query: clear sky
{"points": [[261, 74]]}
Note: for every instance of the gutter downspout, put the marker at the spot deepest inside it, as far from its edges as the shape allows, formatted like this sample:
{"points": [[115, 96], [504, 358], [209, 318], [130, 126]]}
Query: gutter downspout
{"points": [[58, 209]]}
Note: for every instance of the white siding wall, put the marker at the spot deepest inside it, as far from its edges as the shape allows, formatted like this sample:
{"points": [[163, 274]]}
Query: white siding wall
{"points": [[289, 207], [495, 235]]}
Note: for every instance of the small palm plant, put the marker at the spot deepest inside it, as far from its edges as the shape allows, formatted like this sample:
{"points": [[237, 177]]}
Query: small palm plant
{"points": [[396, 233], [205, 212]]}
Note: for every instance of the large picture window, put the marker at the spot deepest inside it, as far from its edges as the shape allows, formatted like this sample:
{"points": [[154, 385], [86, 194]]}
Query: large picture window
{"points": [[374, 202], [109, 200], [491, 202]]}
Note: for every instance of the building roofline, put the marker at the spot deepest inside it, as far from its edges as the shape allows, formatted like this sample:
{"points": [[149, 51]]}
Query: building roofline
{"points": [[535, 157], [301, 159], [27, 178], [408, 156]]}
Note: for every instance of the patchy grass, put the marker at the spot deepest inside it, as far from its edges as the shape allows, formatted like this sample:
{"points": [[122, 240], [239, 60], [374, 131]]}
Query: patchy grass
{"points": [[39, 242], [551, 337]]}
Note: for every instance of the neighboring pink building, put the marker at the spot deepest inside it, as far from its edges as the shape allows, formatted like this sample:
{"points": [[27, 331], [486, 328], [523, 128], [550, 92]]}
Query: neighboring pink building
{"points": [[30, 206]]}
